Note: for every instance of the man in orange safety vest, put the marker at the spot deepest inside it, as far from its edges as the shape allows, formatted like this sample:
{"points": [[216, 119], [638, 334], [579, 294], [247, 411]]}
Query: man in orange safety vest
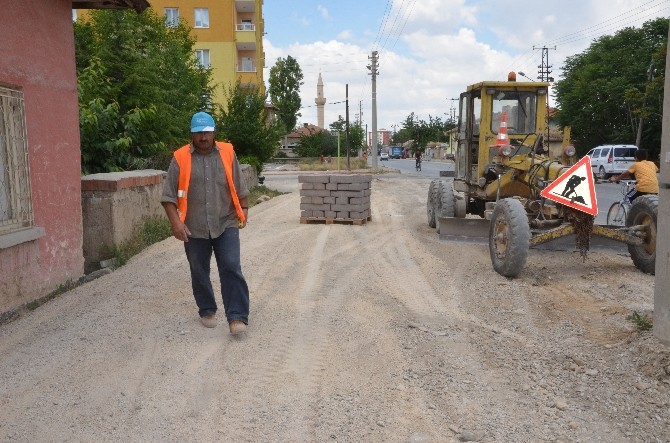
{"points": [[206, 201]]}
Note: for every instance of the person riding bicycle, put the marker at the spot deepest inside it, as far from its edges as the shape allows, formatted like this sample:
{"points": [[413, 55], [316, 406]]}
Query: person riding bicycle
{"points": [[645, 175], [417, 155]]}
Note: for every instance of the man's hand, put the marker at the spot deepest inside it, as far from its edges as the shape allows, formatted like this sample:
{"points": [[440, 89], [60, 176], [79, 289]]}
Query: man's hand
{"points": [[241, 224], [180, 231]]}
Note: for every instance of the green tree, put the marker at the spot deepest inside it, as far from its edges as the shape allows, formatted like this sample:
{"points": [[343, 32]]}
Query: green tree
{"points": [[317, 142], [284, 91], [139, 85], [356, 135], [618, 80], [420, 132], [243, 122]]}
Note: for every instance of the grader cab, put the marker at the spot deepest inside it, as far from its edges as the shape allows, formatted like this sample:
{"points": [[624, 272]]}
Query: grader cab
{"points": [[502, 166]]}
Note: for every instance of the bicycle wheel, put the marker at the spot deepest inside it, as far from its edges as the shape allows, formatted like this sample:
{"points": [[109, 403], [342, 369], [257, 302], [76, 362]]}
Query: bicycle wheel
{"points": [[616, 216]]}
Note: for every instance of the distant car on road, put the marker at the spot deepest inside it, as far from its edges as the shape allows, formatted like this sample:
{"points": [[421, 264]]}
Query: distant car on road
{"points": [[609, 160], [384, 156]]}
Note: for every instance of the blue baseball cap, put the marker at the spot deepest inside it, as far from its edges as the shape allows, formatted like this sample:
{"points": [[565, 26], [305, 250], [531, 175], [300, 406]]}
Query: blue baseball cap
{"points": [[202, 122]]}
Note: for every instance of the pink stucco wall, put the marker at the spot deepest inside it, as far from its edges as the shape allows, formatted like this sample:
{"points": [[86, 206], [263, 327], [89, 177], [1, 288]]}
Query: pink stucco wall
{"points": [[37, 54]]}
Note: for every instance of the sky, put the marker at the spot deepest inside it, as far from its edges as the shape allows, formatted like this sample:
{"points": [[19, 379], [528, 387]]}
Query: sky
{"points": [[430, 50]]}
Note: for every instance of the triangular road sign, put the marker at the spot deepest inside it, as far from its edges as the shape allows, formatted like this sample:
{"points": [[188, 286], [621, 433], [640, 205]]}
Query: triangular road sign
{"points": [[575, 188]]}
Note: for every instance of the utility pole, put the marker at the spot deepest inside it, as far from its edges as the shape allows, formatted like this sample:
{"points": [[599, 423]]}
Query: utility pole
{"points": [[373, 72], [545, 70], [661, 282], [650, 77], [346, 134], [452, 110], [359, 123]]}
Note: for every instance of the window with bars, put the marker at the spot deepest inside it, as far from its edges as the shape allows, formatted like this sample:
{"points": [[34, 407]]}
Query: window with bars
{"points": [[201, 18], [202, 55], [15, 205], [171, 17]]}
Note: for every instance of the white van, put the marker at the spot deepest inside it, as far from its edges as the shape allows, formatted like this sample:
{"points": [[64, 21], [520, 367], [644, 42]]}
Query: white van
{"points": [[609, 160]]}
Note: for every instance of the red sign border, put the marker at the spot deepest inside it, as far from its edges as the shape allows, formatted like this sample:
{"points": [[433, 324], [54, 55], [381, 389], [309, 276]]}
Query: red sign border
{"points": [[567, 202]]}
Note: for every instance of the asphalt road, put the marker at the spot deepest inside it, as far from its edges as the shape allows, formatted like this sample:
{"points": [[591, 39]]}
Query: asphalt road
{"points": [[606, 193]]}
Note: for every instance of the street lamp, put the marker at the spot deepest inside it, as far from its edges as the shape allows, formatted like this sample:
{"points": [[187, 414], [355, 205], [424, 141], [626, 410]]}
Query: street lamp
{"points": [[524, 75]]}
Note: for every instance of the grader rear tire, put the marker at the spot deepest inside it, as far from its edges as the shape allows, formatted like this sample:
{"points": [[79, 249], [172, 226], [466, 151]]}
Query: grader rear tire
{"points": [[509, 237], [446, 198], [430, 203], [644, 211]]}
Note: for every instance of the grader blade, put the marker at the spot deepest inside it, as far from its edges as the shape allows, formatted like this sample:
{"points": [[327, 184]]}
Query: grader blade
{"points": [[476, 231], [463, 230]]}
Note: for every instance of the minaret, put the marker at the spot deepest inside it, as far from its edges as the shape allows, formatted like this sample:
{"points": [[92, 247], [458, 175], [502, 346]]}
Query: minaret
{"points": [[320, 101]]}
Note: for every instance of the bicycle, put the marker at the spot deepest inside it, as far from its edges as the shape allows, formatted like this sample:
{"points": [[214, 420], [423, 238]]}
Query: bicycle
{"points": [[616, 216], [418, 164]]}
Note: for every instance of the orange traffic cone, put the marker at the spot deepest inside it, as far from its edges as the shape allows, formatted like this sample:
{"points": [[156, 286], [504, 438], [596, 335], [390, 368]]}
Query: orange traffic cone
{"points": [[502, 138]]}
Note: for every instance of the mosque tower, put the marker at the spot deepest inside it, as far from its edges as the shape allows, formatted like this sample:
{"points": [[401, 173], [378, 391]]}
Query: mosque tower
{"points": [[320, 101]]}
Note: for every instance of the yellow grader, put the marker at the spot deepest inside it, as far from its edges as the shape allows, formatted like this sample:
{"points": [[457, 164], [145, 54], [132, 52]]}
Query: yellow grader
{"points": [[495, 193]]}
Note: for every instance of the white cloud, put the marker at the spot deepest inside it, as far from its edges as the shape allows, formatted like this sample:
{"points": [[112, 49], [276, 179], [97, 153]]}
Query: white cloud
{"points": [[323, 11], [428, 57], [345, 35]]}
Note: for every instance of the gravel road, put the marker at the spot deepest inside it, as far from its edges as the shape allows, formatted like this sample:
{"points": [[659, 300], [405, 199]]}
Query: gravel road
{"points": [[373, 333]]}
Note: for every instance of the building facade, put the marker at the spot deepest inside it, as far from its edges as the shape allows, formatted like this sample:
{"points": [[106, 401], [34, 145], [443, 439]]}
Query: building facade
{"points": [[229, 36], [384, 137], [40, 158]]}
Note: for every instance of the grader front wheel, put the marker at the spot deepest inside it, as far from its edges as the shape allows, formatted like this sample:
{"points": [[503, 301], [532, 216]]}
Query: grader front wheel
{"points": [[509, 237]]}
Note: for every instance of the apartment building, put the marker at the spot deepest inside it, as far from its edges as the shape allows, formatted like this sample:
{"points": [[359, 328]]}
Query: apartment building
{"points": [[229, 36]]}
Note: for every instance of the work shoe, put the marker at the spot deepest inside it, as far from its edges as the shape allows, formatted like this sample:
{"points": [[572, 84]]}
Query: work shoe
{"points": [[237, 327], [208, 321]]}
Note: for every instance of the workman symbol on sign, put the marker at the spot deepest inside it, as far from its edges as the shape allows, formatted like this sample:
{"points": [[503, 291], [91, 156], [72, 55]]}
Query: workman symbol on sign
{"points": [[578, 190], [570, 186]]}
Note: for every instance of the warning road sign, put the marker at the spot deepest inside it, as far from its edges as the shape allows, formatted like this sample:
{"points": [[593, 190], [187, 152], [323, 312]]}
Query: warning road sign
{"points": [[575, 188]]}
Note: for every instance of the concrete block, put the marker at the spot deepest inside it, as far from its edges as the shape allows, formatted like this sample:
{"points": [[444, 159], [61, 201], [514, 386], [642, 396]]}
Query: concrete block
{"points": [[348, 208], [310, 207], [314, 193], [353, 186], [351, 178], [313, 179]]}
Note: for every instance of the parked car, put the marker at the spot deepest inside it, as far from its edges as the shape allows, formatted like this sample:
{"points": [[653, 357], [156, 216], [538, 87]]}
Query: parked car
{"points": [[609, 160], [384, 156]]}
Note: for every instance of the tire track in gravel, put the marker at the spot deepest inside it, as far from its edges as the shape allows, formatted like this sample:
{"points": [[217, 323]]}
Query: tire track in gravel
{"points": [[289, 376], [438, 306], [427, 298]]}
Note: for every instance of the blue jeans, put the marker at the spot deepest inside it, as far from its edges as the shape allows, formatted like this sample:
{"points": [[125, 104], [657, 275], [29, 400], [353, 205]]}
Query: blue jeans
{"points": [[234, 290]]}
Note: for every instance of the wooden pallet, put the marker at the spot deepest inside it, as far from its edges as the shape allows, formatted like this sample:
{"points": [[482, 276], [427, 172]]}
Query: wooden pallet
{"points": [[330, 221]]}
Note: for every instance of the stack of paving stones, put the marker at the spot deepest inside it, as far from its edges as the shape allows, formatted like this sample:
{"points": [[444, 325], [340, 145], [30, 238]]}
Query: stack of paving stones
{"points": [[341, 198]]}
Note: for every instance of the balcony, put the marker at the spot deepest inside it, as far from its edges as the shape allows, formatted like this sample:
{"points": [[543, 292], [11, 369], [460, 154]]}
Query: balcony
{"points": [[245, 5], [249, 66], [245, 27], [245, 40]]}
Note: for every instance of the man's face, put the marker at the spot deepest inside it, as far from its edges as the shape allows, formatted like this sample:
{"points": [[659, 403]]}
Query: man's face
{"points": [[203, 141]]}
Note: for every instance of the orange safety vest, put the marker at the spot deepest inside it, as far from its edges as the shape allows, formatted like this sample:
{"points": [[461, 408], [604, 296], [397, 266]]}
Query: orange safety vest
{"points": [[183, 157]]}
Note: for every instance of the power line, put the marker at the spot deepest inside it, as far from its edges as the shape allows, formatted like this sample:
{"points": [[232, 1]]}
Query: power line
{"points": [[622, 19], [382, 27]]}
